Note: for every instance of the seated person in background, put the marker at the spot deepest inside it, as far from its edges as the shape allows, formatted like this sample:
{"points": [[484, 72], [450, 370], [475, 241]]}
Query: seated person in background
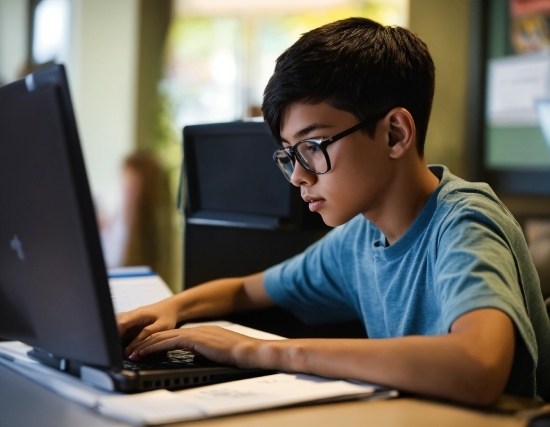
{"points": [[140, 233], [436, 267], [148, 213]]}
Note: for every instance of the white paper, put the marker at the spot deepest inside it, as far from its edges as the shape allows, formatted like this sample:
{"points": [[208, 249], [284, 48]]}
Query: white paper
{"points": [[154, 407], [269, 391], [515, 85], [252, 394], [240, 329], [129, 293]]}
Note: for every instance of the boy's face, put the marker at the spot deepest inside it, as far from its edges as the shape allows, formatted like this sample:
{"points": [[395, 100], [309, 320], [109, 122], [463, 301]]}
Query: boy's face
{"points": [[361, 167]]}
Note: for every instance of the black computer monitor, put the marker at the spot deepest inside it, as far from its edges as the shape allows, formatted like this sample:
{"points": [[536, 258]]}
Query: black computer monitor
{"points": [[231, 178]]}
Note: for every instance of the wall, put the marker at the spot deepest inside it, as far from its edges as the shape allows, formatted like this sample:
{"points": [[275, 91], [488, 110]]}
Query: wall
{"points": [[13, 38], [444, 27], [154, 21], [102, 70], [153, 27]]}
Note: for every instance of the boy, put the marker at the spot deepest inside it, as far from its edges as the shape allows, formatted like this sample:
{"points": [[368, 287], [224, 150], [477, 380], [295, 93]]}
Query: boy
{"points": [[435, 267]]}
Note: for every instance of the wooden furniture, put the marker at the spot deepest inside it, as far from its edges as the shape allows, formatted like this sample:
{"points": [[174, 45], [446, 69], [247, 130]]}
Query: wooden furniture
{"points": [[24, 403]]}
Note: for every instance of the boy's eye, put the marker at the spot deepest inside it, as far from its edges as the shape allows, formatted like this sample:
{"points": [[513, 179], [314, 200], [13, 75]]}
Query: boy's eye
{"points": [[311, 147]]}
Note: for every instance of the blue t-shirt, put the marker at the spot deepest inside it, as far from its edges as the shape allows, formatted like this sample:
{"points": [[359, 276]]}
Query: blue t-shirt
{"points": [[463, 252]]}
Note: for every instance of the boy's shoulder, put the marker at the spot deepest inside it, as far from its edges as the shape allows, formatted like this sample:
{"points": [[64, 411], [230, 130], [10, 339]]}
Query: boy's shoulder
{"points": [[452, 185], [456, 194], [460, 203]]}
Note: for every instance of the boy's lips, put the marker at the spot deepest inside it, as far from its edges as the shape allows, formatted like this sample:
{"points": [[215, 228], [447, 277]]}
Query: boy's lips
{"points": [[315, 203]]}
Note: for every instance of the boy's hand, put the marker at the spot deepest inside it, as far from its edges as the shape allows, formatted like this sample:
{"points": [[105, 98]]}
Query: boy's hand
{"points": [[215, 343], [138, 324], [209, 300]]}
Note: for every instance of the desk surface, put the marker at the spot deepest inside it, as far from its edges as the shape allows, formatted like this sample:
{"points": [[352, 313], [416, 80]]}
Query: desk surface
{"points": [[23, 403]]}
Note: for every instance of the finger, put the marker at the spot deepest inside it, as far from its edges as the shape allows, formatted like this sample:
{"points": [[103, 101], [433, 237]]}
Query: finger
{"points": [[123, 323], [154, 340], [165, 344], [131, 320], [144, 334], [167, 341]]}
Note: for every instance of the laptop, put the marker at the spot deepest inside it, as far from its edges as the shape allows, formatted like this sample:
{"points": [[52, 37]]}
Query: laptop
{"points": [[54, 290]]}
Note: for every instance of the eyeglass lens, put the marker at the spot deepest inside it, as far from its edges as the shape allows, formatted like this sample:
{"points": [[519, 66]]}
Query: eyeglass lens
{"points": [[285, 163], [308, 153], [312, 155]]}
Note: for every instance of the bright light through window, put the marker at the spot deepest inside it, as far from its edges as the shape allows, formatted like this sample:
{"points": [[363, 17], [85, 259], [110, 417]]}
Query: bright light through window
{"points": [[51, 20], [221, 54], [223, 68]]}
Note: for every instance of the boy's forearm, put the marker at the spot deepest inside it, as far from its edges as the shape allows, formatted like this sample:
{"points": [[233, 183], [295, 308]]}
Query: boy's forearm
{"points": [[221, 297], [430, 366], [471, 364]]}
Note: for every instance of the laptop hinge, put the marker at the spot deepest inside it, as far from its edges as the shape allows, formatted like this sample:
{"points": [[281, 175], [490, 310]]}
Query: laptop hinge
{"points": [[125, 381], [52, 360], [97, 377]]}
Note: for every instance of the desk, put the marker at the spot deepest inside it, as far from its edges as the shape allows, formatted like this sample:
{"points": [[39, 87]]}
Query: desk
{"points": [[25, 404]]}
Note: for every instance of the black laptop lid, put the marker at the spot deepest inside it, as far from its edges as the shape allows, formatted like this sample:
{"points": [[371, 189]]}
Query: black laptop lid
{"points": [[54, 292]]}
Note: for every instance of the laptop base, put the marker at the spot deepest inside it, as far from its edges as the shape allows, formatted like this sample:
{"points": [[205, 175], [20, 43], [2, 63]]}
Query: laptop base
{"points": [[145, 380]]}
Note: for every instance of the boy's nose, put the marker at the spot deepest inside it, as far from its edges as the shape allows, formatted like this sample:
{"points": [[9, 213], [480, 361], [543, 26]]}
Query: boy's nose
{"points": [[301, 176]]}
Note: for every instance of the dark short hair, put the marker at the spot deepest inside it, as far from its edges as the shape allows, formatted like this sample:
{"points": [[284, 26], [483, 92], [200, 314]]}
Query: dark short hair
{"points": [[356, 65]]}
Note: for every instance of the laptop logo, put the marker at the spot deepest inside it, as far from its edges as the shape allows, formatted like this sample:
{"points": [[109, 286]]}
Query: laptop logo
{"points": [[17, 246]]}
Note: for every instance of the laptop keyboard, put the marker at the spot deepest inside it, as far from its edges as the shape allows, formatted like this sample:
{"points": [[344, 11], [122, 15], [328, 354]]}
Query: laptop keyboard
{"points": [[175, 359]]}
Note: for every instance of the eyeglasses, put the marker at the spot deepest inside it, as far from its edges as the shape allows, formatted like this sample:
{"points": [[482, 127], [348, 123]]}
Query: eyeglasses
{"points": [[312, 153]]}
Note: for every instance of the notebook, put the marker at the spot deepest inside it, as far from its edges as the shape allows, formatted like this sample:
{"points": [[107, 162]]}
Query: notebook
{"points": [[54, 289]]}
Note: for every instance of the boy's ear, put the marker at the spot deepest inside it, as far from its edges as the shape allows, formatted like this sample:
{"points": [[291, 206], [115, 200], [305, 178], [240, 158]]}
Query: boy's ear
{"points": [[402, 132]]}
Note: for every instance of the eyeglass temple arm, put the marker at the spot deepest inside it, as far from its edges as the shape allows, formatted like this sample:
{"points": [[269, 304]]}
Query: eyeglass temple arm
{"points": [[354, 128]]}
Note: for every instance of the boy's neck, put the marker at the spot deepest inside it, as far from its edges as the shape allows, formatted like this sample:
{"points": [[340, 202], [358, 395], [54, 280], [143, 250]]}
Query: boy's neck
{"points": [[404, 200]]}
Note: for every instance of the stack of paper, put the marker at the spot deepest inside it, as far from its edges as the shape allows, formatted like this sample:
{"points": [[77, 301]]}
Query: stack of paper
{"points": [[132, 291], [253, 394]]}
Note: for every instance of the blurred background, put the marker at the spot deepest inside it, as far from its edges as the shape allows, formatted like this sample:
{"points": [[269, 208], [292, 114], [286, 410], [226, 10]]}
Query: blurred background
{"points": [[141, 70]]}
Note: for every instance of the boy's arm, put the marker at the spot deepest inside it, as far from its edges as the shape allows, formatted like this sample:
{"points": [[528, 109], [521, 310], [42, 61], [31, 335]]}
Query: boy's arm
{"points": [[212, 299], [221, 297], [470, 364]]}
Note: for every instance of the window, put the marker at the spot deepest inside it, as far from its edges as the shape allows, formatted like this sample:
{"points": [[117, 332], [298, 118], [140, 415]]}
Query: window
{"points": [[220, 54], [50, 30]]}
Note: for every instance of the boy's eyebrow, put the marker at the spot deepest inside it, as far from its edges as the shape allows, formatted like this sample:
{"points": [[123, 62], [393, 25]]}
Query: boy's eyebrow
{"points": [[302, 133]]}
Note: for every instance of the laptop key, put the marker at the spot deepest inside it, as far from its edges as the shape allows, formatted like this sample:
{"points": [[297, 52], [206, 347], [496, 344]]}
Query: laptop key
{"points": [[176, 359]]}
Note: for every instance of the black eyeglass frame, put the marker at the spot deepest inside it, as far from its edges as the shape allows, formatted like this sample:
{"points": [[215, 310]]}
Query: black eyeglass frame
{"points": [[294, 155]]}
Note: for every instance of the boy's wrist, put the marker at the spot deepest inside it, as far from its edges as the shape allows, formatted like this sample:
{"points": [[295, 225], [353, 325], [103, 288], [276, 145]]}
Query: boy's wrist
{"points": [[273, 355], [180, 305], [254, 352]]}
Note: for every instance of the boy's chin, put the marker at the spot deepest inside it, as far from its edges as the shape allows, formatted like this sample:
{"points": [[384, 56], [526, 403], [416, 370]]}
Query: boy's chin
{"points": [[332, 220]]}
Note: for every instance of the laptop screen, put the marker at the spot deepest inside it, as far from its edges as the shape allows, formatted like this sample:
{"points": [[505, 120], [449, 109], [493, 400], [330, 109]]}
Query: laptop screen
{"points": [[54, 292]]}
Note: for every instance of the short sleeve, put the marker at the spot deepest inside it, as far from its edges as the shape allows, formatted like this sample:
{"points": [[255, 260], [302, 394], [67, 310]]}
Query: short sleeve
{"points": [[476, 268], [311, 284]]}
